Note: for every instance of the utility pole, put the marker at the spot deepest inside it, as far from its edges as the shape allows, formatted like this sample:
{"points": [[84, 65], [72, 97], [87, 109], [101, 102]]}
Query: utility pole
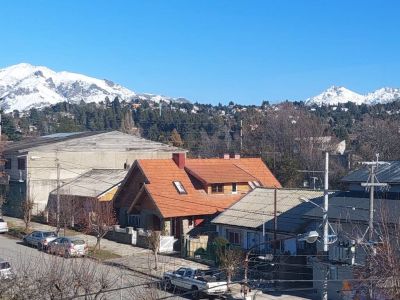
{"points": [[241, 135], [58, 197], [373, 182], [326, 226]]}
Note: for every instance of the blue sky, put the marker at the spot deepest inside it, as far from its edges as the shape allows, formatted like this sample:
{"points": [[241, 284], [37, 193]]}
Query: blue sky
{"points": [[211, 51]]}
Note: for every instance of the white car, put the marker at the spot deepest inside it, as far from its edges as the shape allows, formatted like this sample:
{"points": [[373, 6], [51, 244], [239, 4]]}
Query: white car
{"points": [[40, 239], [3, 225], [5, 269], [199, 282]]}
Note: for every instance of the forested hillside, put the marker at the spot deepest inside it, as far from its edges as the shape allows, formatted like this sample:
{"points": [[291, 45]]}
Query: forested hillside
{"points": [[290, 137]]}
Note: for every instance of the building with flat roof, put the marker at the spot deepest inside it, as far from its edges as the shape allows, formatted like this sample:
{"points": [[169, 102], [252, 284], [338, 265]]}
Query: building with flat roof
{"points": [[34, 164]]}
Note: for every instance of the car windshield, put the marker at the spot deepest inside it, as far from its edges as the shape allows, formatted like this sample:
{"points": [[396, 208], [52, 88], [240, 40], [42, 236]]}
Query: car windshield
{"points": [[49, 234], [78, 242], [4, 265]]}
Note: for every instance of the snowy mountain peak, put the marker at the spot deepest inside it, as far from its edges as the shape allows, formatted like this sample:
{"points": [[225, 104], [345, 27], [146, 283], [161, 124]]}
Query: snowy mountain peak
{"points": [[24, 86], [338, 94]]}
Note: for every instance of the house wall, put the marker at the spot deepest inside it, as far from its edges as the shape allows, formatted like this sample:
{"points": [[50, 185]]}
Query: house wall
{"points": [[109, 195], [40, 176], [241, 188]]}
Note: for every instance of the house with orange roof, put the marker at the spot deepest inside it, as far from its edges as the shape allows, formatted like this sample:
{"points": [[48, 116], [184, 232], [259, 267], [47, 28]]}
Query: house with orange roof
{"points": [[175, 195]]}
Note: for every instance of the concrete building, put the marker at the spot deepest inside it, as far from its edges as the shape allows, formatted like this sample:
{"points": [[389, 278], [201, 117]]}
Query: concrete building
{"points": [[34, 164]]}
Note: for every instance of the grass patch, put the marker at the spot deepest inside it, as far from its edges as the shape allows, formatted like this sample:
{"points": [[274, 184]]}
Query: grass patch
{"points": [[102, 254], [17, 232]]}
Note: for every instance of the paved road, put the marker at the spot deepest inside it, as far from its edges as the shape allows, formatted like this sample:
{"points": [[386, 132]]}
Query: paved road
{"points": [[23, 258]]}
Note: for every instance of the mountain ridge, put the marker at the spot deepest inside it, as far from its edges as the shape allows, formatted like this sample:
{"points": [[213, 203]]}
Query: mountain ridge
{"points": [[24, 86], [335, 95]]}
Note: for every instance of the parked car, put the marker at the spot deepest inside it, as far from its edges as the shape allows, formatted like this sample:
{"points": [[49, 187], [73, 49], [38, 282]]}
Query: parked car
{"points": [[68, 247], [198, 281], [5, 269], [40, 239], [3, 225]]}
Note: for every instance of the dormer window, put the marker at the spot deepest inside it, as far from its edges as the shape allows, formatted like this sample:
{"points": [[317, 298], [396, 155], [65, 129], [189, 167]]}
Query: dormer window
{"points": [[179, 187], [217, 188]]}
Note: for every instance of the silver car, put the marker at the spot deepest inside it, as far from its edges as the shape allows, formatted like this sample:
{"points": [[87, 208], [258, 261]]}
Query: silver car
{"points": [[40, 239], [68, 247], [3, 225]]}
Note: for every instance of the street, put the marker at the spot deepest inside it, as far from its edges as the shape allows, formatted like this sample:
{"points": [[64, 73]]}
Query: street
{"points": [[125, 284]]}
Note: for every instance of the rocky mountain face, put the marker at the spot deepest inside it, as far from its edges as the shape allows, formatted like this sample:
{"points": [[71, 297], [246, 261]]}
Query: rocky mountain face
{"points": [[24, 86]]}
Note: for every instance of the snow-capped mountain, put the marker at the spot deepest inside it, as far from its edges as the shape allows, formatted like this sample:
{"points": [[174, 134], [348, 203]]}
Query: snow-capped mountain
{"points": [[338, 94], [24, 86]]}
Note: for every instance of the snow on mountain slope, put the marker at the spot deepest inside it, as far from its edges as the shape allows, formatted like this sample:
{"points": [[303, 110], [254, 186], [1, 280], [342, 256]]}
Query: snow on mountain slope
{"points": [[24, 86], [335, 95]]}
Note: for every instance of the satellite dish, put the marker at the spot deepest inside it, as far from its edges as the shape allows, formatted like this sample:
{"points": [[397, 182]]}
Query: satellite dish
{"points": [[309, 237]]}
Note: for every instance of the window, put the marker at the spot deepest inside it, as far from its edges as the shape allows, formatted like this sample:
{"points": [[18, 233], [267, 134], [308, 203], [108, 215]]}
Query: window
{"points": [[179, 187], [234, 188], [8, 164], [134, 220], [217, 188], [21, 163], [233, 237]]}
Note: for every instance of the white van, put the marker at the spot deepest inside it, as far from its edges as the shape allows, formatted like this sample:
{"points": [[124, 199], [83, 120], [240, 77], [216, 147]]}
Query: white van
{"points": [[5, 269]]}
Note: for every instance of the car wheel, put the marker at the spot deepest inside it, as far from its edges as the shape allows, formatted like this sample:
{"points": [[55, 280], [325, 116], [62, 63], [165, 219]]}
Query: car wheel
{"points": [[25, 241], [195, 293], [40, 247], [66, 254], [167, 284]]}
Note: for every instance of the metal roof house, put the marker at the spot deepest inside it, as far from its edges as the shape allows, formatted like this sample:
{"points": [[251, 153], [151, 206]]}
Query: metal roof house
{"points": [[389, 173], [35, 164], [265, 215]]}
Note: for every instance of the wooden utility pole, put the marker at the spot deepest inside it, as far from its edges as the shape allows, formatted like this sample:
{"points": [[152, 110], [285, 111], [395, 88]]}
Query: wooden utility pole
{"points": [[58, 197], [241, 135]]}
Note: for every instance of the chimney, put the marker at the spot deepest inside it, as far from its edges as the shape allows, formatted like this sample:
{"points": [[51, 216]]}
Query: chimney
{"points": [[179, 159], [226, 156]]}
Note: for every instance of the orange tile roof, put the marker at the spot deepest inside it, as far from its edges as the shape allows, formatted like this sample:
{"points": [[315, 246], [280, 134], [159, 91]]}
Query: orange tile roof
{"points": [[217, 170], [162, 172]]}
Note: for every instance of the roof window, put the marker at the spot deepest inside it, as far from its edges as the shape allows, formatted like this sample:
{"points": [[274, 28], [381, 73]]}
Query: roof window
{"points": [[179, 187]]}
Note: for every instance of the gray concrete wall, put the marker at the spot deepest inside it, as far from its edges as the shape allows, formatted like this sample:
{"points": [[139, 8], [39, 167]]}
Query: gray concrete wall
{"points": [[41, 174]]}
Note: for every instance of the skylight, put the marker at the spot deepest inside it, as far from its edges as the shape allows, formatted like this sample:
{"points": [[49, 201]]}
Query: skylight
{"points": [[179, 187]]}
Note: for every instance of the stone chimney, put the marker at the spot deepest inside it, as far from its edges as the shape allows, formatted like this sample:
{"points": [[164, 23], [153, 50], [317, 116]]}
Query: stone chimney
{"points": [[179, 159]]}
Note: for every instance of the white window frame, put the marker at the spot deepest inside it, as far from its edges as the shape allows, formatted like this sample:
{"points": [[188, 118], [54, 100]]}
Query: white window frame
{"points": [[179, 187]]}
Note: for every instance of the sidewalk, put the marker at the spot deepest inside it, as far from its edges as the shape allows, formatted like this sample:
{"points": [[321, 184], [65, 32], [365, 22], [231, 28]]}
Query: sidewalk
{"points": [[119, 249], [133, 258], [143, 262]]}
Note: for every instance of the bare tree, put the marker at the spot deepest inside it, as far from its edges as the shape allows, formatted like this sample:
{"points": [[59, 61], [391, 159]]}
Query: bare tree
{"points": [[231, 259], [97, 217], [26, 208], [154, 239]]}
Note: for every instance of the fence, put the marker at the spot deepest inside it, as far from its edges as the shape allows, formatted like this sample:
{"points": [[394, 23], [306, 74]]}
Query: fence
{"points": [[139, 238]]}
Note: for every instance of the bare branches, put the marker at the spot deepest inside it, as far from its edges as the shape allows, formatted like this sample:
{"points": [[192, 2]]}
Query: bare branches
{"points": [[26, 208], [97, 218], [154, 239], [231, 260]]}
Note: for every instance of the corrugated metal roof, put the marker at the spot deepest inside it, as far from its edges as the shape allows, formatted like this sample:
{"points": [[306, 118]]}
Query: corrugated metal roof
{"points": [[345, 207], [385, 173], [93, 183], [90, 141], [257, 208]]}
